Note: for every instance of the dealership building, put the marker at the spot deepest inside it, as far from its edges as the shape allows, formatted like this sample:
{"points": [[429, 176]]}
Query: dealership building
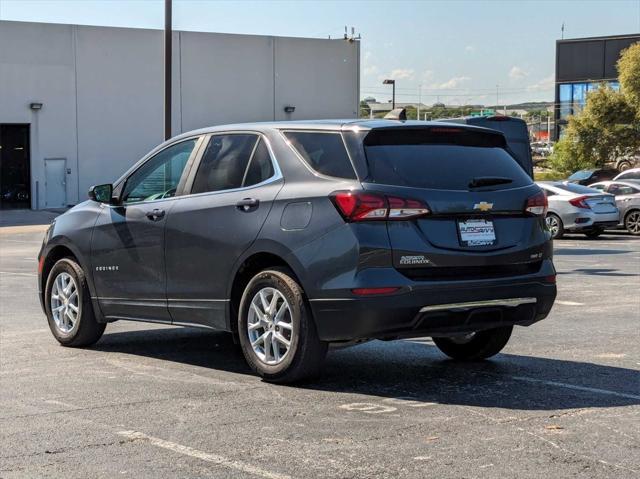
{"points": [[582, 64], [80, 104]]}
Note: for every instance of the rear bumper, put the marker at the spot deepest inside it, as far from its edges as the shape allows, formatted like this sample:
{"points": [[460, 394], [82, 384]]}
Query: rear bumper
{"points": [[588, 220], [434, 309]]}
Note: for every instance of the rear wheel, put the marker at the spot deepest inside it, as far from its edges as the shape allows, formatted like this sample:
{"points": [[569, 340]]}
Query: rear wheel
{"points": [[632, 222], [475, 346], [68, 305], [554, 223], [593, 234], [277, 332]]}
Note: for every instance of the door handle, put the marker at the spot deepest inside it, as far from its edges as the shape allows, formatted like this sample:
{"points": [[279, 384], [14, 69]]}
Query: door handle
{"points": [[247, 204], [155, 215]]}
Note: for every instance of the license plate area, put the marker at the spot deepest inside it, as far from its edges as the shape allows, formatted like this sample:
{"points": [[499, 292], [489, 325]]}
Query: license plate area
{"points": [[476, 232]]}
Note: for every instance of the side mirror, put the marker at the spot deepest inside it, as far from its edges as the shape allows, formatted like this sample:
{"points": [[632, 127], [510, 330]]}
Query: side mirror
{"points": [[101, 193]]}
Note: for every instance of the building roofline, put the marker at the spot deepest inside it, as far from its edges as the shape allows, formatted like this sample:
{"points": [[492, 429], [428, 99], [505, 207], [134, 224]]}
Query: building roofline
{"points": [[605, 37], [114, 27]]}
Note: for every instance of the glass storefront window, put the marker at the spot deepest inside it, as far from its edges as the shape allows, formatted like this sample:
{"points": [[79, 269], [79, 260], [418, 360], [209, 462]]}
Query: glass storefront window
{"points": [[579, 96], [565, 100]]}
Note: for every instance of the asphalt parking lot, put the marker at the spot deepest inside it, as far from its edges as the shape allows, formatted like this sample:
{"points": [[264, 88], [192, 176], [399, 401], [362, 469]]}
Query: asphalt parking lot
{"points": [[563, 400]]}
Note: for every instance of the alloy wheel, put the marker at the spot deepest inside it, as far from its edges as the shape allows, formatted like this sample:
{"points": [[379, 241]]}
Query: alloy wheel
{"points": [[65, 302], [553, 225], [270, 326], [632, 223]]}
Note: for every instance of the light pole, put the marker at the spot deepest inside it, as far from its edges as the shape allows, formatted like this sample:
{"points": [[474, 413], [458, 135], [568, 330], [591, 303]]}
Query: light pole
{"points": [[393, 94], [167, 69]]}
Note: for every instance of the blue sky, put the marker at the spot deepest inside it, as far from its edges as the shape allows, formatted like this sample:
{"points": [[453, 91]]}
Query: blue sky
{"points": [[456, 51]]}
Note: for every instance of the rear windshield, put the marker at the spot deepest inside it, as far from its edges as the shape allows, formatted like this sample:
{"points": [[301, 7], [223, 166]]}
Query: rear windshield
{"points": [[440, 158], [323, 151], [573, 188]]}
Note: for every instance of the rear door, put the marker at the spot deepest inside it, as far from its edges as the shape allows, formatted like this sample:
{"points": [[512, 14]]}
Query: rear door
{"points": [[476, 191], [231, 194]]}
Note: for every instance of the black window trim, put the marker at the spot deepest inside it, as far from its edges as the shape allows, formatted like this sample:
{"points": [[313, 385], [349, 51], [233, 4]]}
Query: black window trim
{"points": [[121, 183], [277, 172], [307, 165]]}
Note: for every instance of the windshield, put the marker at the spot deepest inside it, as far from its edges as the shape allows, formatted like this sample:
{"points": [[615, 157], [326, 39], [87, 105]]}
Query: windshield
{"points": [[581, 175]]}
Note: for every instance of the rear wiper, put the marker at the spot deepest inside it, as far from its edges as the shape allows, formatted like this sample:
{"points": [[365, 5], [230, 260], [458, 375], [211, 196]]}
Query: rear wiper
{"points": [[481, 181]]}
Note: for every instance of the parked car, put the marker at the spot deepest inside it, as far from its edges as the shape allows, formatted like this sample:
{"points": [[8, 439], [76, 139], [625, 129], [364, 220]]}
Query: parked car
{"points": [[586, 177], [625, 163], [627, 196], [578, 209], [632, 174], [541, 148], [515, 131], [296, 235]]}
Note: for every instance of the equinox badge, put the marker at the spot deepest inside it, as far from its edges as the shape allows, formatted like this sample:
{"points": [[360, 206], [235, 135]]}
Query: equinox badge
{"points": [[483, 206]]}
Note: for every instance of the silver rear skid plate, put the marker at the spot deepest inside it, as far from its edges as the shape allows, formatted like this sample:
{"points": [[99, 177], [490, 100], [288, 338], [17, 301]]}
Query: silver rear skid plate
{"points": [[510, 303]]}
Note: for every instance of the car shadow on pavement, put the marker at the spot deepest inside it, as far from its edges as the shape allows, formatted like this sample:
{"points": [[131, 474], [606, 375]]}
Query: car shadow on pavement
{"points": [[413, 370], [598, 272], [588, 251]]}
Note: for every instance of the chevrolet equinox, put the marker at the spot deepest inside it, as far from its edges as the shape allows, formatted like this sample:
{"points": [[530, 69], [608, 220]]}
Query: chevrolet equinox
{"points": [[297, 235]]}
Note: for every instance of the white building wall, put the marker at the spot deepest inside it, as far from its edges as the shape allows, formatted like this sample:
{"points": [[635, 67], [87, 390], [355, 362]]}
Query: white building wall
{"points": [[102, 90]]}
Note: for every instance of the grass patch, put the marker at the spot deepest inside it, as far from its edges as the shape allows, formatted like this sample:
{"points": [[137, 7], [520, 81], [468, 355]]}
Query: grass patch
{"points": [[548, 175]]}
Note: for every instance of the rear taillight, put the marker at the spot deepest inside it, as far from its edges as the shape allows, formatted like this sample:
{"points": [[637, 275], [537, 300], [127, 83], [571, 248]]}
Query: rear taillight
{"points": [[537, 204], [361, 206], [580, 202]]}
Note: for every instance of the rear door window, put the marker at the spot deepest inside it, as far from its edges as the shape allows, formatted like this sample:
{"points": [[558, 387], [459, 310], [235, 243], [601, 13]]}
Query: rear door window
{"points": [[324, 152], [439, 158], [224, 162]]}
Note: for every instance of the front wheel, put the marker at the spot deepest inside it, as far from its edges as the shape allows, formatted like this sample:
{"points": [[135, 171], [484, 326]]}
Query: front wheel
{"points": [[475, 346], [276, 329], [68, 306], [632, 222]]}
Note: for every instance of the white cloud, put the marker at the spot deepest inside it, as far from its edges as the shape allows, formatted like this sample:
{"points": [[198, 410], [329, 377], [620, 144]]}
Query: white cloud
{"points": [[454, 82], [402, 74], [470, 48], [427, 75], [544, 85], [517, 73]]}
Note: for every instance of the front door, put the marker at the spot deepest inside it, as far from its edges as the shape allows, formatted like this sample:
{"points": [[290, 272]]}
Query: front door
{"points": [[128, 239], [207, 231]]}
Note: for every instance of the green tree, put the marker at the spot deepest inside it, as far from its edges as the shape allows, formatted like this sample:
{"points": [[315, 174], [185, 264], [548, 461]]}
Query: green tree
{"points": [[629, 75], [609, 125]]}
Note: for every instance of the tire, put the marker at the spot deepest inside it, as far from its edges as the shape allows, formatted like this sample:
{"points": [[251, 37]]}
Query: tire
{"points": [[305, 353], [593, 234], [555, 225], [632, 222], [84, 330], [624, 166], [482, 345]]}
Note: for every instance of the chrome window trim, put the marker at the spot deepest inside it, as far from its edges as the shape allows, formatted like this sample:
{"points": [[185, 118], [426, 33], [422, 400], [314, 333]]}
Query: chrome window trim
{"points": [[277, 175]]}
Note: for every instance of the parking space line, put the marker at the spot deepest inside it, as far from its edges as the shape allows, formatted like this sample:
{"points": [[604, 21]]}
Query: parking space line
{"points": [[204, 456], [568, 303], [15, 273], [577, 388]]}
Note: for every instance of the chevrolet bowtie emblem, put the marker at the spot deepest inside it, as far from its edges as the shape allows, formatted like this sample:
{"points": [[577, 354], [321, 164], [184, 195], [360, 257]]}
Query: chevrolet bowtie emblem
{"points": [[483, 206]]}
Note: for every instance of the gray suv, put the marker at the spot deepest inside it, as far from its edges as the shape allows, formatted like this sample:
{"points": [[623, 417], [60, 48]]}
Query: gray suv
{"points": [[294, 236]]}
